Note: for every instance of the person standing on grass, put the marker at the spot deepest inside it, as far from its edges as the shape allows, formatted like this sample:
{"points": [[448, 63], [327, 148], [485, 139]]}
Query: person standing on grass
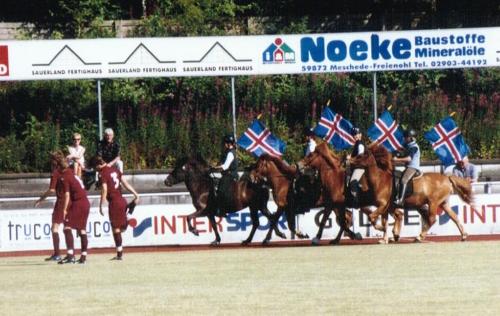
{"points": [[76, 211], [111, 181], [55, 186]]}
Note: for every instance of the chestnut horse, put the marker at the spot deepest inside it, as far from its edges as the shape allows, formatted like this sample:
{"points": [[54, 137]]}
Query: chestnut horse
{"points": [[332, 178], [280, 176], [432, 189], [195, 173]]}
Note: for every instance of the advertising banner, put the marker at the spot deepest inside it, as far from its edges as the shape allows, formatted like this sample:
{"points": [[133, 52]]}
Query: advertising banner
{"points": [[155, 225], [249, 55]]}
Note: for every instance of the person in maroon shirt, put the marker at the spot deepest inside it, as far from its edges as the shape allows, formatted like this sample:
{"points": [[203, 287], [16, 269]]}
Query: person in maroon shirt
{"points": [[111, 179], [76, 209], [55, 186]]}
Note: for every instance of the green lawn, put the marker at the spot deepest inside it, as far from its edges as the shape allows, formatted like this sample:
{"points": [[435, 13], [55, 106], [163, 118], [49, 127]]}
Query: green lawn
{"points": [[451, 278]]}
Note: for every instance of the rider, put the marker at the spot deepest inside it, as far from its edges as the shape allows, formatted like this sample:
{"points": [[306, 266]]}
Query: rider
{"points": [[355, 175], [229, 167], [310, 142], [411, 159]]}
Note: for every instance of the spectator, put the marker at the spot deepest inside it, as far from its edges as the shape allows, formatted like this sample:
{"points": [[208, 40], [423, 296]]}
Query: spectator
{"points": [[466, 170], [109, 150], [76, 155]]}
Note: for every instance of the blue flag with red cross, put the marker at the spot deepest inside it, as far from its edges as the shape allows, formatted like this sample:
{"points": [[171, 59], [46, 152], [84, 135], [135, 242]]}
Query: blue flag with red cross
{"points": [[447, 141], [335, 129], [259, 140], [387, 132]]}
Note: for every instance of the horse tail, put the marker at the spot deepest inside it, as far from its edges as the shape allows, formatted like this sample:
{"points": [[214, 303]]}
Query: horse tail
{"points": [[463, 188]]}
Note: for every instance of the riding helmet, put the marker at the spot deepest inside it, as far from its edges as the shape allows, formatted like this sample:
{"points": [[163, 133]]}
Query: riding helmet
{"points": [[308, 131], [355, 131], [410, 133], [229, 139]]}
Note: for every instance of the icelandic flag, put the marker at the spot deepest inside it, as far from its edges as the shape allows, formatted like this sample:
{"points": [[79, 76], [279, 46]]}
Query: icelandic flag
{"points": [[258, 140], [335, 129], [387, 132], [447, 141]]}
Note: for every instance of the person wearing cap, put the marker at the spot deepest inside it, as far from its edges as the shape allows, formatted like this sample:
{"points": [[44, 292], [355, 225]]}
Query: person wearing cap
{"points": [[229, 170], [358, 149], [411, 160], [310, 142], [109, 149]]}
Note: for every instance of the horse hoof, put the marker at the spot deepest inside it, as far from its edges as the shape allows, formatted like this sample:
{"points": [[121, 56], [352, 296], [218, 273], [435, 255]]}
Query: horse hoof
{"points": [[195, 232], [315, 241], [245, 242], [300, 235], [418, 239], [383, 241], [334, 242], [465, 236], [215, 243], [281, 235], [396, 238], [358, 236], [265, 242]]}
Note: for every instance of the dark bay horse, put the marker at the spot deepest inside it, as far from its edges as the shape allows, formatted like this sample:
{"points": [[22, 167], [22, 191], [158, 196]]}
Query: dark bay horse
{"points": [[280, 176], [332, 179], [432, 189], [195, 173]]}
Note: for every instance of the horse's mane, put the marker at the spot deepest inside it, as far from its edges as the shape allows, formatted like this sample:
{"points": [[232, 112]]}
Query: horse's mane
{"points": [[382, 157], [280, 164], [332, 159]]}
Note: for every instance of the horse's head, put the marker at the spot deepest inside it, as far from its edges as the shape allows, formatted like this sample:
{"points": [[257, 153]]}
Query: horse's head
{"points": [[260, 171], [322, 156], [187, 168], [363, 161], [178, 174]]}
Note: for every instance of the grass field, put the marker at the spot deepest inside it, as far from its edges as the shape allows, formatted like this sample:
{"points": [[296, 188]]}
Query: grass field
{"points": [[449, 278]]}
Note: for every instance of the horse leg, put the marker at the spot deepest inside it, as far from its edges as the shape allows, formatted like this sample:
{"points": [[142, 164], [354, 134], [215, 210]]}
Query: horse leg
{"points": [[430, 218], [398, 222], [269, 215], [192, 216], [455, 219], [254, 215], [213, 224], [326, 214], [273, 221], [384, 228]]}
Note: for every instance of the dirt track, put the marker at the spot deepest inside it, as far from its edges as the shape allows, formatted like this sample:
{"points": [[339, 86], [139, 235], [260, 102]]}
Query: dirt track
{"points": [[229, 246]]}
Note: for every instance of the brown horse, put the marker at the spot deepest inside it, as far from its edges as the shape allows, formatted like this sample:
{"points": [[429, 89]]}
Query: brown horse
{"points": [[432, 189], [332, 178], [280, 177], [195, 173]]}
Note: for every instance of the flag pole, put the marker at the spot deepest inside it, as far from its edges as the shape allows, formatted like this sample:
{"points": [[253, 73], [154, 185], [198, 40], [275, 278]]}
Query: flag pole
{"points": [[374, 96], [233, 97]]}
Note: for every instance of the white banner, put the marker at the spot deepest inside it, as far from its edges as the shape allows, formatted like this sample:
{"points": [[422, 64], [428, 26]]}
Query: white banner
{"points": [[249, 55], [154, 225]]}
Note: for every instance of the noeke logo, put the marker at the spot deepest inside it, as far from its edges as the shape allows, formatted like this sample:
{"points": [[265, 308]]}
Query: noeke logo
{"points": [[278, 52], [4, 60]]}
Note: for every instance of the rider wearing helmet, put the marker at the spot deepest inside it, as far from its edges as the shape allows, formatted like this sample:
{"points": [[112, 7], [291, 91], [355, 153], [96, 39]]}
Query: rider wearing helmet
{"points": [[229, 167], [310, 142], [411, 159], [358, 149]]}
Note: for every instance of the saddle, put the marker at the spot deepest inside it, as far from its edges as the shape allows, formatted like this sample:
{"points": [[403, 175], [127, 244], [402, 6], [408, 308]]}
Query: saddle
{"points": [[396, 183]]}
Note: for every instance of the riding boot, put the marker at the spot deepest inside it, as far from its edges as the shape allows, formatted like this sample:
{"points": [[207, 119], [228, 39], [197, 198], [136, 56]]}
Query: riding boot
{"points": [[354, 191], [399, 201]]}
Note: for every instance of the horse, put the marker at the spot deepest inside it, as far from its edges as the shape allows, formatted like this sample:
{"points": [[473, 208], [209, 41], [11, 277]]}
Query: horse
{"points": [[432, 189], [332, 179], [195, 173], [280, 176]]}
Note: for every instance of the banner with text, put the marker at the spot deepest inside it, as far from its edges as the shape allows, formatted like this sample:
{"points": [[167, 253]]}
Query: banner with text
{"points": [[156, 225], [249, 55]]}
